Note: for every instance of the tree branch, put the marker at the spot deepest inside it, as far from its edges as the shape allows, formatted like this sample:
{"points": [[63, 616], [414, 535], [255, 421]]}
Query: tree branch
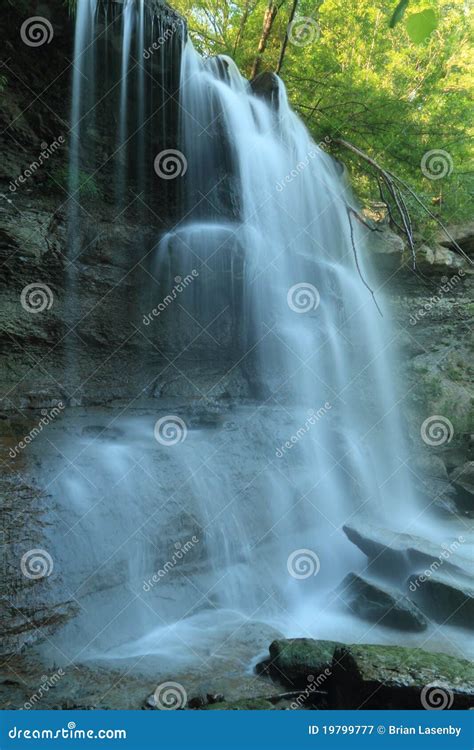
{"points": [[393, 182], [350, 211], [285, 40]]}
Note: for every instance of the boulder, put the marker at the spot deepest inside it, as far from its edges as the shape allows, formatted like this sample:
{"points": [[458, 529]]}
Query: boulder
{"points": [[266, 85], [440, 259], [297, 661], [462, 234], [444, 597], [392, 677], [380, 604], [388, 550]]}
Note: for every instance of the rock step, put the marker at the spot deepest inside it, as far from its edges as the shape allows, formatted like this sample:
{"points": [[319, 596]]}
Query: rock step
{"points": [[379, 604], [445, 598], [387, 549]]}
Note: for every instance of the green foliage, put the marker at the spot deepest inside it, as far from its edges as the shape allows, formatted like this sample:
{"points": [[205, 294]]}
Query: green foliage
{"points": [[395, 93], [88, 188]]}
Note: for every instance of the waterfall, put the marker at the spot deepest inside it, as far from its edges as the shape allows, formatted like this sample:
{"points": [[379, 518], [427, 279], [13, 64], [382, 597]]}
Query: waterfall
{"points": [[306, 321], [128, 16], [204, 506], [267, 209], [82, 116]]}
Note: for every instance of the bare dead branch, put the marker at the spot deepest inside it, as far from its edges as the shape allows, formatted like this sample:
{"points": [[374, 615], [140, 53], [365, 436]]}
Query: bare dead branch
{"points": [[393, 183], [351, 211]]}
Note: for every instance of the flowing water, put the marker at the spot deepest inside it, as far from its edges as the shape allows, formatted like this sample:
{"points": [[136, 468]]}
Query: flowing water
{"points": [[176, 534]]}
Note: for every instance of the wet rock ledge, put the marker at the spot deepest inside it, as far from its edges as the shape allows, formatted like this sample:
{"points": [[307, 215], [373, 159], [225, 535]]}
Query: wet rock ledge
{"points": [[327, 674]]}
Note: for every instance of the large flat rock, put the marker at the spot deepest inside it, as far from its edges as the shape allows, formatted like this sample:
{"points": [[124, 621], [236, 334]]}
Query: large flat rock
{"points": [[392, 677], [386, 548]]}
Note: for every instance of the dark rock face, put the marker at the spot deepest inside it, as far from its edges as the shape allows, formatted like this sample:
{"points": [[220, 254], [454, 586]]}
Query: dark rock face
{"points": [[266, 86], [32, 604], [391, 677], [116, 247], [380, 604]]}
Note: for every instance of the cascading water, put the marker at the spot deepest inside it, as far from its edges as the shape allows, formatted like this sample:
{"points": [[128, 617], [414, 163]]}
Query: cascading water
{"points": [[82, 112], [286, 425]]}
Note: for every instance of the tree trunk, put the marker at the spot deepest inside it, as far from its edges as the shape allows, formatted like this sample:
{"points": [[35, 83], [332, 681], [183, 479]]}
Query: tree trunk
{"points": [[243, 23], [268, 19], [285, 40]]}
